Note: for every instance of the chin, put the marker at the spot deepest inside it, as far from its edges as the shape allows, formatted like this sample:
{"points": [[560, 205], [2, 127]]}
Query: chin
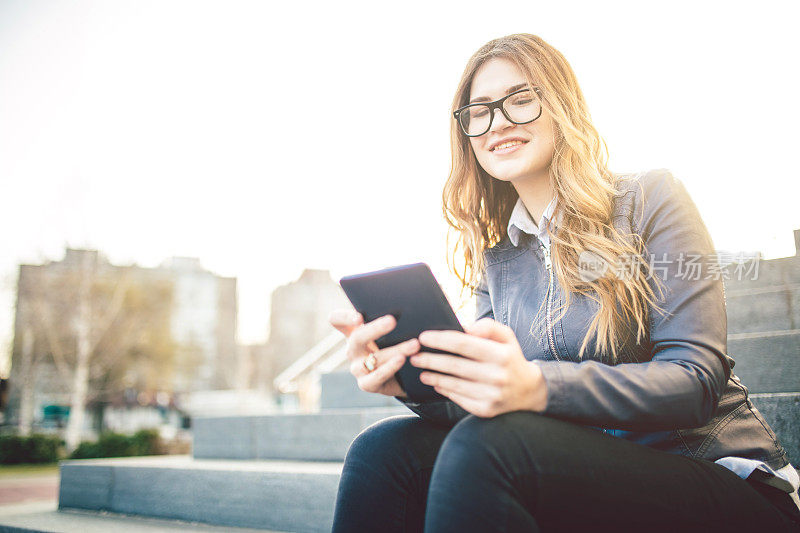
{"points": [[512, 175], [508, 179], [506, 175]]}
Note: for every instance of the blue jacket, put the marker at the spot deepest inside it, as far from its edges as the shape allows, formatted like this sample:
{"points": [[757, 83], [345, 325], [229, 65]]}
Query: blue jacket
{"points": [[675, 391]]}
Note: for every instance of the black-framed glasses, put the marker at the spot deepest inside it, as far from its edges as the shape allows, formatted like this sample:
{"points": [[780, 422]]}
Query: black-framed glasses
{"points": [[520, 107]]}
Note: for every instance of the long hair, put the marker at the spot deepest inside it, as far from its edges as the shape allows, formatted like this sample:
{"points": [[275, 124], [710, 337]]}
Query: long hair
{"points": [[478, 206]]}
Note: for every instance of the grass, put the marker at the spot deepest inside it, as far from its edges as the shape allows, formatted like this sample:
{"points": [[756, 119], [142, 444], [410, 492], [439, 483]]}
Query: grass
{"points": [[27, 469]]}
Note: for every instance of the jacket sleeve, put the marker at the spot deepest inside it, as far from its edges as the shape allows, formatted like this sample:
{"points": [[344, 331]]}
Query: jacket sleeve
{"points": [[447, 412], [681, 385]]}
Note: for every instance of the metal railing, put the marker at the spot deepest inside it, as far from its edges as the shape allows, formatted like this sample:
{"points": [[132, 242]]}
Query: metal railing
{"points": [[323, 357]]}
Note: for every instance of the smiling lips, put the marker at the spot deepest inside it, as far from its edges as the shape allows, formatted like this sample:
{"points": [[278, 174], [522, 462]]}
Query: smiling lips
{"points": [[507, 147]]}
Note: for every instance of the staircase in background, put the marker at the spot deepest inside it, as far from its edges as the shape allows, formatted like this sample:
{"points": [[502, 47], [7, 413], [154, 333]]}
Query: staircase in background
{"points": [[275, 472]]}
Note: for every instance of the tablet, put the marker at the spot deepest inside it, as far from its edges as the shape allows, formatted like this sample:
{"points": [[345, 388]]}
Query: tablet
{"points": [[411, 294]]}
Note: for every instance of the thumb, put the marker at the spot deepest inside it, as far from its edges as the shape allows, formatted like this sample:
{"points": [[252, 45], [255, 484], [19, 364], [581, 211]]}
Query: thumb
{"points": [[345, 320]]}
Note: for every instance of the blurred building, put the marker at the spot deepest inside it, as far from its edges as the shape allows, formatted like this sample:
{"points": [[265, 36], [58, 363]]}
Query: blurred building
{"points": [[197, 330], [255, 368], [203, 319], [298, 321]]}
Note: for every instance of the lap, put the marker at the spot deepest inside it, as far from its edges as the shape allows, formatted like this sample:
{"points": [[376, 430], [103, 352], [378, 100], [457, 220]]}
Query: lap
{"points": [[567, 476], [557, 468]]}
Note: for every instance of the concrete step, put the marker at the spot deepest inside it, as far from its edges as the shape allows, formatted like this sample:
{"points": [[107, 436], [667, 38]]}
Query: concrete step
{"points": [[767, 362], [339, 390], [323, 436], [765, 309], [40, 517], [782, 413], [274, 495]]}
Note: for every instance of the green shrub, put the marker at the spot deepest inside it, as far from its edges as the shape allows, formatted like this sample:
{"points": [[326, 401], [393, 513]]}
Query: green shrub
{"points": [[45, 448], [146, 442], [36, 448], [143, 442], [85, 450]]}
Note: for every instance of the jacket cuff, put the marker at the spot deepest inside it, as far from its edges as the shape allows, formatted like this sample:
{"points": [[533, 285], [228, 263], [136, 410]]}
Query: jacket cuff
{"points": [[443, 412], [406, 401], [555, 383]]}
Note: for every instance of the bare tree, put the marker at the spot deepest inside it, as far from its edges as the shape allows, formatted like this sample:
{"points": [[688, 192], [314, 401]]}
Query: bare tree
{"points": [[26, 377], [97, 325]]}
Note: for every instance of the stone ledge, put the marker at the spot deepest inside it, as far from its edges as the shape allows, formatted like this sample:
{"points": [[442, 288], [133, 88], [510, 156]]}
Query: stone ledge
{"points": [[274, 495], [45, 517], [782, 412], [323, 436]]}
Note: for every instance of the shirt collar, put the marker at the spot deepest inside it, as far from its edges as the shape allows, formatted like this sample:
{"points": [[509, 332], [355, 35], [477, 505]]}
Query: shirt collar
{"points": [[522, 222]]}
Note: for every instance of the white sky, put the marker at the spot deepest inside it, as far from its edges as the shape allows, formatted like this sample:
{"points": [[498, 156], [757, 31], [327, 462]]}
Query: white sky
{"points": [[265, 138]]}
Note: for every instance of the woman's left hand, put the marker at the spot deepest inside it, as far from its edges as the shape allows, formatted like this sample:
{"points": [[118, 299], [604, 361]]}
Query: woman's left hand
{"points": [[493, 377]]}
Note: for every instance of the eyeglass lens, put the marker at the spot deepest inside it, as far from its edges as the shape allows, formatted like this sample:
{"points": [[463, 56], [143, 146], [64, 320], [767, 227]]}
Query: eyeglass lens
{"points": [[521, 107]]}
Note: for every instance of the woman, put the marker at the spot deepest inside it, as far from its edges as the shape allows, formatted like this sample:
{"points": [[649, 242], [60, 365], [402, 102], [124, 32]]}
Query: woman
{"points": [[594, 392]]}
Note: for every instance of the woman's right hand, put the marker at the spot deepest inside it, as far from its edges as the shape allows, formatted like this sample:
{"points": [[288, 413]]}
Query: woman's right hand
{"points": [[361, 342]]}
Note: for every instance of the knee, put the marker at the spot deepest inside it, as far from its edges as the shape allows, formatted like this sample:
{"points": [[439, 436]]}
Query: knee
{"points": [[382, 441], [487, 434], [498, 441]]}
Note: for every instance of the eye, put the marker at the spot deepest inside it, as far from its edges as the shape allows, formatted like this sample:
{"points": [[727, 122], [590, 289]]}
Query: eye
{"points": [[523, 98], [476, 112]]}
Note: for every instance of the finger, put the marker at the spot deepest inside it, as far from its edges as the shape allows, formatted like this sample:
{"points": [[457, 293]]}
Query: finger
{"points": [[471, 389], [476, 407], [458, 366], [360, 344], [375, 380], [371, 331], [345, 320], [478, 329], [357, 352], [491, 329], [463, 344], [403, 349]]}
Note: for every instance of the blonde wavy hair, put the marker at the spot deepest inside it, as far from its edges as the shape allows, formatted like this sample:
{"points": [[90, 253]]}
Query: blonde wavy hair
{"points": [[478, 206]]}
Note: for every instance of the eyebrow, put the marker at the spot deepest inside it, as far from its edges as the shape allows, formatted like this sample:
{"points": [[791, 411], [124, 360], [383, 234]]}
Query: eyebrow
{"points": [[508, 91]]}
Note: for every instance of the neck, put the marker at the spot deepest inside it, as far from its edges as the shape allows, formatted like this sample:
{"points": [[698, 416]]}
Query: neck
{"points": [[536, 193]]}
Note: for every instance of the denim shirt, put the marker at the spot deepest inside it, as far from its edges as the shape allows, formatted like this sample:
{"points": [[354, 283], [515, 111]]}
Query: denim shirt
{"points": [[674, 391]]}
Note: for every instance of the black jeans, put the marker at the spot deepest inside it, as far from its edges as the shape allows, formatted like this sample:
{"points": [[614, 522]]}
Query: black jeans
{"points": [[527, 472]]}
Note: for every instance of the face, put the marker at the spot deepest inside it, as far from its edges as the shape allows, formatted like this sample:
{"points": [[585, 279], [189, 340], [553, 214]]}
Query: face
{"points": [[523, 162]]}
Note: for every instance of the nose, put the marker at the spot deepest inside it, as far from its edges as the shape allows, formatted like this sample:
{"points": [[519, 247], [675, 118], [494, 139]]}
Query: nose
{"points": [[499, 121]]}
